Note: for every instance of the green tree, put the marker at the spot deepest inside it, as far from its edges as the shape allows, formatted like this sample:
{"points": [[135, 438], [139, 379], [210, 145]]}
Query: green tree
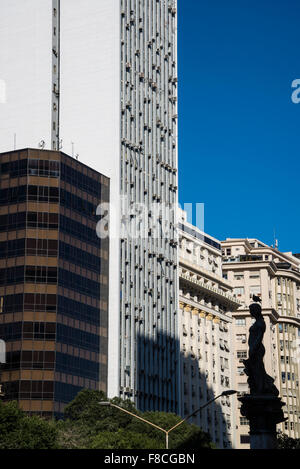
{"points": [[186, 436], [88, 425], [124, 439], [85, 418], [285, 442], [85, 408], [19, 431]]}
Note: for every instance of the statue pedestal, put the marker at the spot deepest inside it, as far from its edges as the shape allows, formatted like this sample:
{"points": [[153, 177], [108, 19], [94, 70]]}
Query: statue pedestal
{"points": [[264, 412]]}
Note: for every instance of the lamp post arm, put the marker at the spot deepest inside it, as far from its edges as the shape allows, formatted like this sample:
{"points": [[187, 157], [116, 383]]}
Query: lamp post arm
{"points": [[138, 417], [191, 415]]}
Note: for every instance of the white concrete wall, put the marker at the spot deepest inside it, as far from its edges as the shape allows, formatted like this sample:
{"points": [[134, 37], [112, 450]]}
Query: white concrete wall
{"points": [[90, 100], [90, 118], [25, 73]]}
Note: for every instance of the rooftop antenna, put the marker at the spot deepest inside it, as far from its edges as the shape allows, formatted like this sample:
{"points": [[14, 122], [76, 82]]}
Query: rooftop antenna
{"points": [[56, 142], [275, 240], [15, 141], [72, 143]]}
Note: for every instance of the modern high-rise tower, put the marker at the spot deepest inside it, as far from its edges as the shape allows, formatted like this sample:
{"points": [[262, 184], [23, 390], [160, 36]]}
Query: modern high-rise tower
{"points": [[98, 81]]}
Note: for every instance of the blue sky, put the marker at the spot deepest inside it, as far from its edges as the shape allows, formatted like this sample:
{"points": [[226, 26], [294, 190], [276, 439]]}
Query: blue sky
{"points": [[239, 131]]}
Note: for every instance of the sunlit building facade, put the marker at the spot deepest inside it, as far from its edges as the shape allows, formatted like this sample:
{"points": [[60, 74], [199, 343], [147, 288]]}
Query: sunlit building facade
{"points": [[206, 303], [254, 268]]}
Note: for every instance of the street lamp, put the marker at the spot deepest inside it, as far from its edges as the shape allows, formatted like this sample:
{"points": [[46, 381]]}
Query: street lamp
{"points": [[167, 432]]}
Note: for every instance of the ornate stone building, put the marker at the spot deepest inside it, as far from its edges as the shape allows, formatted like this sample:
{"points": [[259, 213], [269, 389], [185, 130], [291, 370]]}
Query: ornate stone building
{"points": [[255, 268], [206, 302]]}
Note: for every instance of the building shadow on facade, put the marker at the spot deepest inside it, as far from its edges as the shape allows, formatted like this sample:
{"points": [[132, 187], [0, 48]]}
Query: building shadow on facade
{"points": [[171, 380]]}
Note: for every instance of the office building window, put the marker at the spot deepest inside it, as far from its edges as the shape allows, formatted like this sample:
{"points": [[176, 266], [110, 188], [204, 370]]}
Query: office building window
{"points": [[240, 322]]}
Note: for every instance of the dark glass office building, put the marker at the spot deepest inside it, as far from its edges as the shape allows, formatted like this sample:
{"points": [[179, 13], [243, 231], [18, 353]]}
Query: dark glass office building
{"points": [[53, 279]]}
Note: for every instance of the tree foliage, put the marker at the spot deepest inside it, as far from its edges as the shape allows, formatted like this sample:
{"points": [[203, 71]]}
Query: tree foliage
{"points": [[124, 439], [19, 431], [90, 425], [285, 442]]}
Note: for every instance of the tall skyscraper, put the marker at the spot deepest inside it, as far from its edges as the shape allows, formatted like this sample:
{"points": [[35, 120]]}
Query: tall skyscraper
{"points": [[53, 279], [98, 80]]}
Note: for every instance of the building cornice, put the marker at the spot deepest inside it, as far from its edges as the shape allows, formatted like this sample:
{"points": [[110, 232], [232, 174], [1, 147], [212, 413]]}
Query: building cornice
{"points": [[203, 311], [216, 292], [205, 273]]}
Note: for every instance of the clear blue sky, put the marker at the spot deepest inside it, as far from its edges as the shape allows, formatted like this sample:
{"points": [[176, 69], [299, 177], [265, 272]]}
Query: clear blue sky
{"points": [[239, 131]]}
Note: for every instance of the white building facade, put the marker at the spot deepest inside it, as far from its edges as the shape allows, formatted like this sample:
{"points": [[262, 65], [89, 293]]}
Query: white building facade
{"points": [[205, 322], [98, 80]]}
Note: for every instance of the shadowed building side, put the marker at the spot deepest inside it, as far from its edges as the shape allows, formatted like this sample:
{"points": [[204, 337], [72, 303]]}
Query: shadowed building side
{"points": [[205, 305], [162, 380]]}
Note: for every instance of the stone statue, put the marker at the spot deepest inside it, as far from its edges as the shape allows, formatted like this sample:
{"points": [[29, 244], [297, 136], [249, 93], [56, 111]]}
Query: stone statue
{"points": [[262, 407], [259, 382]]}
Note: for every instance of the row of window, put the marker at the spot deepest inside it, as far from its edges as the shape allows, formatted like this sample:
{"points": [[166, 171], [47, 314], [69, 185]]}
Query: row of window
{"points": [[80, 231], [79, 311], [28, 330], [14, 195], [65, 392], [15, 168], [77, 366], [49, 247], [287, 377], [50, 275], [50, 331], [45, 220], [12, 248], [78, 338], [79, 257], [81, 181], [29, 390], [41, 302], [28, 302], [73, 202], [61, 362], [38, 167], [21, 194], [28, 359], [80, 284], [200, 236], [31, 167], [21, 220], [31, 274]]}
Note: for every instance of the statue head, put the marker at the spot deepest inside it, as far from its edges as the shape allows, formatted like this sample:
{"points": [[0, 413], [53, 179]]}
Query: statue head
{"points": [[255, 310]]}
